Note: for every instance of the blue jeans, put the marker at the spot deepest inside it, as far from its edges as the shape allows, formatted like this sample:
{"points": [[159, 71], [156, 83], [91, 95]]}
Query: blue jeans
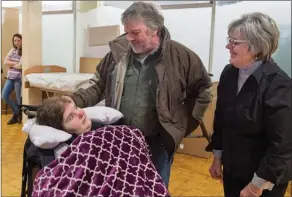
{"points": [[9, 86], [160, 158]]}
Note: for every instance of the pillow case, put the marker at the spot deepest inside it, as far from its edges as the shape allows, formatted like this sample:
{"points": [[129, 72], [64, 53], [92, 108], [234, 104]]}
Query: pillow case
{"points": [[103, 114], [43, 136]]}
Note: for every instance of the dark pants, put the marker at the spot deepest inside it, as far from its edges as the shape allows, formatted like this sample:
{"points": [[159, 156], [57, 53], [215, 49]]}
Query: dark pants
{"points": [[233, 187], [160, 158]]}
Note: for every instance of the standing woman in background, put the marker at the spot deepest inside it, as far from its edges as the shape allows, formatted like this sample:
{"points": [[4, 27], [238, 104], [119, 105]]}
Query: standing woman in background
{"points": [[252, 135], [14, 64]]}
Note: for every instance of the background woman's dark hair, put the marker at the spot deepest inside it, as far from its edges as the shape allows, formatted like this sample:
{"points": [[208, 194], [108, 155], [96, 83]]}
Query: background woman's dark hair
{"points": [[20, 37]]}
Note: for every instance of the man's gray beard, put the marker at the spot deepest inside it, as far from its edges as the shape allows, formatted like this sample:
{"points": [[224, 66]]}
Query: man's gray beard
{"points": [[134, 49]]}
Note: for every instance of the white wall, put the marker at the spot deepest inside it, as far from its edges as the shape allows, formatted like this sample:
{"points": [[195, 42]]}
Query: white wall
{"points": [[191, 27], [83, 20], [187, 27], [103, 19], [57, 40], [96, 17], [108, 15]]}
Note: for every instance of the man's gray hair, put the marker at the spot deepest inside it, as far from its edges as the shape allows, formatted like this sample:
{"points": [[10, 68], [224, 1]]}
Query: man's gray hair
{"points": [[148, 12], [260, 31]]}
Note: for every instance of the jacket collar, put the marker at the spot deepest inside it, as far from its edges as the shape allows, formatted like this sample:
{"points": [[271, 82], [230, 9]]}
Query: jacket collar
{"points": [[251, 68], [268, 67]]}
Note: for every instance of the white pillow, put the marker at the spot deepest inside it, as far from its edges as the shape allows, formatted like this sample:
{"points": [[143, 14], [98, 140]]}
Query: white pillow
{"points": [[103, 114], [43, 136]]}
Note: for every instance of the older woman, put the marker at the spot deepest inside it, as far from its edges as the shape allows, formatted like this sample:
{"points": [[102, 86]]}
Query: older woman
{"points": [[252, 136]]}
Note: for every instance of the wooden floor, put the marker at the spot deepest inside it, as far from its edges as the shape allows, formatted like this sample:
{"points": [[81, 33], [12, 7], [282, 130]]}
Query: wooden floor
{"points": [[189, 175]]}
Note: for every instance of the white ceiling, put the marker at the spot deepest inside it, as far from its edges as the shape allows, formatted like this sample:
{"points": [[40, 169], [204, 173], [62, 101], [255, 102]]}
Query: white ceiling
{"points": [[118, 4], [47, 5]]}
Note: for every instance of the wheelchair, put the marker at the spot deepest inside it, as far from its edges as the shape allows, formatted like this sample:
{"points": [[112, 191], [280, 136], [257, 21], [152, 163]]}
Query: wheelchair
{"points": [[34, 158]]}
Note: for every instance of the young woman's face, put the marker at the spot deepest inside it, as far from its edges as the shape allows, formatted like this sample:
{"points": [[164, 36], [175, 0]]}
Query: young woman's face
{"points": [[17, 42], [75, 120]]}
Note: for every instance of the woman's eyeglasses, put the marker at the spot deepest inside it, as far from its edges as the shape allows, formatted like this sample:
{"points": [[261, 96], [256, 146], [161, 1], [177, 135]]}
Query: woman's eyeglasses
{"points": [[234, 42]]}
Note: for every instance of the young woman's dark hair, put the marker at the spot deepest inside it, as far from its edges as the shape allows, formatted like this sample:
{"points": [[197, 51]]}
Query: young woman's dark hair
{"points": [[20, 37]]}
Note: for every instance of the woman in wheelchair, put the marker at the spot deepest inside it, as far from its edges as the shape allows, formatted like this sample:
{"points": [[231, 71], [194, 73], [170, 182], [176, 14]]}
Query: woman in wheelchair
{"points": [[102, 160], [61, 113]]}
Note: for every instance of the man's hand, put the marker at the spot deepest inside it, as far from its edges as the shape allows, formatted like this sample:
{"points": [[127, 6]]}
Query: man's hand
{"points": [[251, 191], [69, 99], [216, 169]]}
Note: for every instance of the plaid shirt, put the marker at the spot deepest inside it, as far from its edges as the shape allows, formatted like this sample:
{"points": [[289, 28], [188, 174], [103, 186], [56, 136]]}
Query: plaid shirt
{"points": [[12, 72]]}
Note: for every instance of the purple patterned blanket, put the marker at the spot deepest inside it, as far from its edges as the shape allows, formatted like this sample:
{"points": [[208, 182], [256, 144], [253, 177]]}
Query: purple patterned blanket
{"points": [[111, 161]]}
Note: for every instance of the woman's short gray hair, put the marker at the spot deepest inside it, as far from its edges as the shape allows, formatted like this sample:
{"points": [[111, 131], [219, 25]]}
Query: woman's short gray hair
{"points": [[260, 31], [148, 12]]}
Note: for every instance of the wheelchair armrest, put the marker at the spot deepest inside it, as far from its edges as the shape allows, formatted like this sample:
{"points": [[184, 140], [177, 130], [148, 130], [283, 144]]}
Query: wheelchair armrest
{"points": [[46, 156], [29, 107], [29, 110]]}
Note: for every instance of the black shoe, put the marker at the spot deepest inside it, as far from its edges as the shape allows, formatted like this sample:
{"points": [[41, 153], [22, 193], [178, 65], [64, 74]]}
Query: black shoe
{"points": [[13, 120]]}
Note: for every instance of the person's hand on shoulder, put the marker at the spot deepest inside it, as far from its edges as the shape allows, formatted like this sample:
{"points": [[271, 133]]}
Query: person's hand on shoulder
{"points": [[68, 98]]}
